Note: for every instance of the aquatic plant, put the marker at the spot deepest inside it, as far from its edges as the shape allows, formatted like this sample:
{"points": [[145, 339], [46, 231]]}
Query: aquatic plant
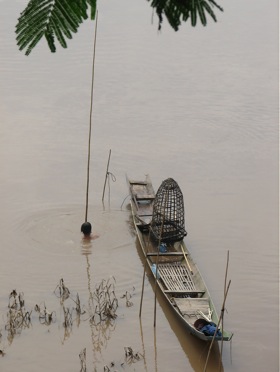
{"points": [[18, 317], [83, 357], [45, 317], [106, 301], [101, 314]]}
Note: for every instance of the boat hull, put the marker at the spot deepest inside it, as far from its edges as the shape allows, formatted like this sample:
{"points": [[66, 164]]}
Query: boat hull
{"points": [[174, 271]]}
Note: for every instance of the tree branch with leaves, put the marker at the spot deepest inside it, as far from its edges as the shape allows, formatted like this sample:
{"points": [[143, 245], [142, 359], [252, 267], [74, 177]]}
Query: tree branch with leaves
{"points": [[58, 20]]}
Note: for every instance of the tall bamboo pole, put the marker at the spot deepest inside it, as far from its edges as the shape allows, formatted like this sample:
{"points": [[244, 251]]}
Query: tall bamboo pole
{"points": [[90, 117]]}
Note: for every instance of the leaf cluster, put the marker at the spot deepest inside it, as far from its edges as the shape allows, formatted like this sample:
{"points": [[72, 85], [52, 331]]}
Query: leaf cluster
{"points": [[51, 18], [60, 19], [177, 11]]}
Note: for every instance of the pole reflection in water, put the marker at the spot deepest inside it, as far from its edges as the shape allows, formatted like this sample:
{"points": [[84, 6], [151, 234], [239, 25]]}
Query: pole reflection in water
{"points": [[143, 345], [155, 347], [86, 251], [101, 327]]}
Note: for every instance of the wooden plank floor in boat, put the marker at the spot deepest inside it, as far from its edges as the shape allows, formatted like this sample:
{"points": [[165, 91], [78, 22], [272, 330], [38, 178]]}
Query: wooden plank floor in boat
{"points": [[176, 277], [178, 281], [193, 307], [143, 196], [142, 190]]}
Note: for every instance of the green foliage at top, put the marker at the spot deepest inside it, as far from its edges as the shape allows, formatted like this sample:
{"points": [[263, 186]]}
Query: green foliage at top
{"points": [[59, 19], [51, 18], [177, 11]]}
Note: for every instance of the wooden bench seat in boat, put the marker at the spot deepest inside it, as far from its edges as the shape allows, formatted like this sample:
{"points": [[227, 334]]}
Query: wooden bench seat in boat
{"points": [[165, 254], [141, 190], [183, 292], [143, 197], [132, 182], [145, 211], [144, 214]]}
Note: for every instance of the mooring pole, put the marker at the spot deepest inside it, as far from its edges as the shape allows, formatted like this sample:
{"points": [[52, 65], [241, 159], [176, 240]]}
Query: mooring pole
{"points": [[90, 117]]}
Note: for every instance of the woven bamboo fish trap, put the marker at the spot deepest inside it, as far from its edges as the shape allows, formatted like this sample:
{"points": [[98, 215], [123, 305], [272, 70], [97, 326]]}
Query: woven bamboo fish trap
{"points": [[168, 222]]}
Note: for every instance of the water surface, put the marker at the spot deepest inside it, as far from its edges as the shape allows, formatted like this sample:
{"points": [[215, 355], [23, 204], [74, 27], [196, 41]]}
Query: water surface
{"points": [[200, 106]]}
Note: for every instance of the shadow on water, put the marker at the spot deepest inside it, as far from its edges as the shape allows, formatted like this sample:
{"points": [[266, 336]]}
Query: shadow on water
{"points": [[143, 348]]}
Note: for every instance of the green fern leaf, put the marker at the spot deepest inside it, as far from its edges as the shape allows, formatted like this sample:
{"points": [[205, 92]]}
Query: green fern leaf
{"points": [[60, 24], [33, 24], [64, 22], [182, 10], [92, 4], [209, 10], [193, 13], [34, 42], [70, 18], [59, 35], [50, 39], [54, 19], [201, 13], [216, 5]]}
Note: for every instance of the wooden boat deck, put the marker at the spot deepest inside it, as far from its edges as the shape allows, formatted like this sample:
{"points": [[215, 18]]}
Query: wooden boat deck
{"points": [[142, 191], [193, 308], [143, 196]]}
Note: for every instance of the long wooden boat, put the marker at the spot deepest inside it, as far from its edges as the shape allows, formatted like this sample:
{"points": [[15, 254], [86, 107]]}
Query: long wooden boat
{"points": [[175, 272]]}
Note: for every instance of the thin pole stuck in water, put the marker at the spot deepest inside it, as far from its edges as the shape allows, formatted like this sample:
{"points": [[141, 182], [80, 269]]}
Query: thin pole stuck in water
{"points": [[142, 291], [106, 176], [221, 319], [144, 272], [90, 117], [222, 313], [157, 260]]}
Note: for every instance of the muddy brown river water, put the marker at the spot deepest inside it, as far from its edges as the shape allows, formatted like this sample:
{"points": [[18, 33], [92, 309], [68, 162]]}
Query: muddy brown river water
{"points": [[199, 105]]}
